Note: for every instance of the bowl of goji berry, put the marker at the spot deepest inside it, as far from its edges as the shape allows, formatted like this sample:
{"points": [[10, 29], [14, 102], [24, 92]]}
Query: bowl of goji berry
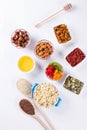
{"points": [[54, 71]]}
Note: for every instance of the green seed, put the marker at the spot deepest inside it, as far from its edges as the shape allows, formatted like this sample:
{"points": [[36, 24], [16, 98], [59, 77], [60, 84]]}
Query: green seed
{"points": [[73, 84]]}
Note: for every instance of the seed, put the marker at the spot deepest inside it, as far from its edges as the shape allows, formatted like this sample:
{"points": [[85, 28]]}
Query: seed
{"points": [[73, 84]]}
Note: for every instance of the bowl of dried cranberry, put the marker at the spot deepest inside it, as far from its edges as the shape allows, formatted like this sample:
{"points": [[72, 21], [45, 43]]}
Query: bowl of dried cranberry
{"points": [[54, 71], [20, 38]]}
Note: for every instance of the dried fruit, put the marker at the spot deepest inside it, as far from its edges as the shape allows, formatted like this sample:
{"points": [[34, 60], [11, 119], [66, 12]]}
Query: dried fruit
{"points": [[75, 57], [54, 71], [62, 33]]}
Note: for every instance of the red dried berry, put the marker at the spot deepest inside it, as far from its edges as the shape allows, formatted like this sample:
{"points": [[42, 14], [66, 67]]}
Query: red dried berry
{"points": [[75, 57], [51, 67], [50, 76]]}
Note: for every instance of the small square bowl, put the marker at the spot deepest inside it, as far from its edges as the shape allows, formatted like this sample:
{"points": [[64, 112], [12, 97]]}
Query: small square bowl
{"points": [[62, 33], [75, 57], [73, 84]]}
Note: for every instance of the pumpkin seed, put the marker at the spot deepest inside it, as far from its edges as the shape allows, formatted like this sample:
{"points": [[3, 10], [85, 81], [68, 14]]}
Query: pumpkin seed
{"points": [[73, 84]]}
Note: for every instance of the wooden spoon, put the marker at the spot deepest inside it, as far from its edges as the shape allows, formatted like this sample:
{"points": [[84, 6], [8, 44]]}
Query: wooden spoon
{"points": [[24, 89], [28, 108], [65, 8]]}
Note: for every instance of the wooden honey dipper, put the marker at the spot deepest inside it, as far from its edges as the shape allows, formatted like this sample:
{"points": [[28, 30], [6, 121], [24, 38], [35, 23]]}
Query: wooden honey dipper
{"points": [[65, 8]]}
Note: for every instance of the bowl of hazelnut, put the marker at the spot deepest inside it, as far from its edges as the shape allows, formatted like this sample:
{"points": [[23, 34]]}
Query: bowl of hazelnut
{"points": [[20, 38], [43, 49]]}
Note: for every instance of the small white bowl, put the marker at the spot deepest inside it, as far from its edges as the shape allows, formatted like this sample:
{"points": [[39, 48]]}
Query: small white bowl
{"points": [[54, 69], [28, 40], [39, 43], [26, 71]]}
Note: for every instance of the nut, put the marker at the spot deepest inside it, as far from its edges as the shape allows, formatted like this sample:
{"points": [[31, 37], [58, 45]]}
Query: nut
{"points": [[20, 38], [43, 49]]}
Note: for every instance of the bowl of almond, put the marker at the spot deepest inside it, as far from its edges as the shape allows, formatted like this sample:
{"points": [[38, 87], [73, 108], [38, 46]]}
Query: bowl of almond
{"points": [[43, 49]]}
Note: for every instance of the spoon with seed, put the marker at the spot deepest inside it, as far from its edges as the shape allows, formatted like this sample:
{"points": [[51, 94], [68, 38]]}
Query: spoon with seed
{"points": [[28, 108], [25, 88]]}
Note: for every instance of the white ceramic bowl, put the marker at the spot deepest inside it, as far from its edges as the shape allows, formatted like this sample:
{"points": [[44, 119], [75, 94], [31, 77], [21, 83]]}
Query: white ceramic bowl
{"points": [[28, 40], [44, 42], [25, 64]]}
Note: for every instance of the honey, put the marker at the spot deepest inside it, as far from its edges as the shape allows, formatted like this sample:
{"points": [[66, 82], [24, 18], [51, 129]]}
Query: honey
{"points": [[26, 63]]}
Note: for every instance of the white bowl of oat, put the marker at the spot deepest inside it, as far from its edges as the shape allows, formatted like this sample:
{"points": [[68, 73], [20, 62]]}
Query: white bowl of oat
{"points": [[46, 94]]}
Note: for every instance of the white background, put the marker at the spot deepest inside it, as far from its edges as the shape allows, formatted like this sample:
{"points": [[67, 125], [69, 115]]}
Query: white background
{"points": [[15, 14]]}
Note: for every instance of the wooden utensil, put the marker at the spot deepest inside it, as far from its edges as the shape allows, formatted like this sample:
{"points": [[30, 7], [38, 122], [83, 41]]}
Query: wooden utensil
{"points": [[28, 108], [43, 114], [65, 8], [24, 89]]}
